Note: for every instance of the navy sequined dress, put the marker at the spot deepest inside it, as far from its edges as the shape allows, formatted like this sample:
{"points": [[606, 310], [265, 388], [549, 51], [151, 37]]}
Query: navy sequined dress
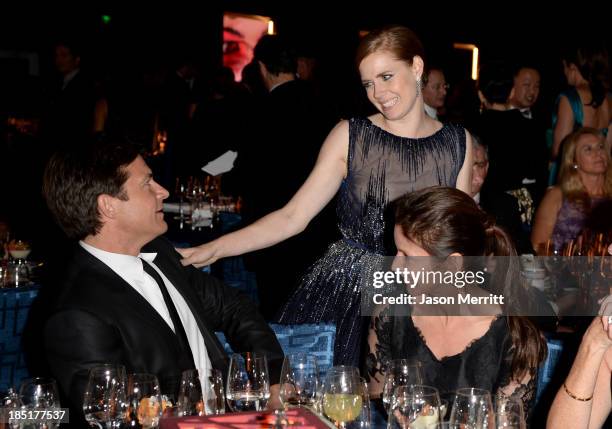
{"points": [[381, 168]]}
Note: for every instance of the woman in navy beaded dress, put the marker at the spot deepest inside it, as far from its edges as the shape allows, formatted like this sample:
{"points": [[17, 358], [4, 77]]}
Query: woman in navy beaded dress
{"points": [[369, 162]]}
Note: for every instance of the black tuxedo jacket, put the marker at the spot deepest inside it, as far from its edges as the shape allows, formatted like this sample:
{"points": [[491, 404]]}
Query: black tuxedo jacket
{"points": [[99, 318]]}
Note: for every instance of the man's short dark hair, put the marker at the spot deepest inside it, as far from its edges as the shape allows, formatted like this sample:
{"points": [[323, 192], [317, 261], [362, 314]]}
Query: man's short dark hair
{"points": [[73, 181], [276, 54], [496, 82]]}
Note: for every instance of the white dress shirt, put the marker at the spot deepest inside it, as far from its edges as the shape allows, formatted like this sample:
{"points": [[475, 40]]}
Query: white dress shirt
{"points": [[129, 268], [431, 112]]}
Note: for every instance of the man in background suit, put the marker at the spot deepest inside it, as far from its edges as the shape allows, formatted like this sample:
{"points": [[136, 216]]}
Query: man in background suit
{"points": [[290, 126], [502, 206], [126, 298], [68, 118]]}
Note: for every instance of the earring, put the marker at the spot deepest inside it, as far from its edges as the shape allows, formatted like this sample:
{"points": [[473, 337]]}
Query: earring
{"points": [[575, 166], [418, 87]]}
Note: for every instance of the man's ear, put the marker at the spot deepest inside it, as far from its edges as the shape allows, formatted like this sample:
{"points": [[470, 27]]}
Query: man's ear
{"points": [[107, 206], [418, 67]]}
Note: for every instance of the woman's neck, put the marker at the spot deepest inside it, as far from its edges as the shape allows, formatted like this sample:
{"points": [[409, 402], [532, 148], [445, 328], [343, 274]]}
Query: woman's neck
{"points": [[594, 184]]}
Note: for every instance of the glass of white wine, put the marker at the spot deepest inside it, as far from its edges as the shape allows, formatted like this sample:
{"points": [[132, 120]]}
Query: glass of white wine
{"points": [[342, 397]]}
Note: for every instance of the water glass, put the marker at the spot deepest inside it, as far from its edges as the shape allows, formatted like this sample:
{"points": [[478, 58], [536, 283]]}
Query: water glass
{"points": [[248, 383]]}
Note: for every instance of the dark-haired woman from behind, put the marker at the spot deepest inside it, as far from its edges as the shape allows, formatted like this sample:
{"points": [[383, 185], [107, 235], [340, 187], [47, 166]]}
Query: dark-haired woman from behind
{"points": [[488, 348]]}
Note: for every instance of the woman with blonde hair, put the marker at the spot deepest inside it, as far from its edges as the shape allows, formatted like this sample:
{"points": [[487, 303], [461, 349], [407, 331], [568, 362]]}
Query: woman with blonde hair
{"points": [[585, 183]]}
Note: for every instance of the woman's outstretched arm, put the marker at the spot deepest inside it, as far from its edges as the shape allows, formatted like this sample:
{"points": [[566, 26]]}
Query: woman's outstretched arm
{"points": [[320, 187]]}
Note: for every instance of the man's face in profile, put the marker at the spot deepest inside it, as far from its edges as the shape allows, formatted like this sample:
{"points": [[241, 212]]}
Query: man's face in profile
{"points": [[480, 168]]}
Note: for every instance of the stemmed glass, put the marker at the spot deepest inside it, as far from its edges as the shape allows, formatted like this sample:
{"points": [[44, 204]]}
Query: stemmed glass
{"points": [[472, 408], [145, 401], [299, 379], [201, 393], [39, 393], [400, 372], [363, 420], [342, 396], [509, 413], [248, 383], [105, 400], [414, 406], [18, 273], [554, 262]]}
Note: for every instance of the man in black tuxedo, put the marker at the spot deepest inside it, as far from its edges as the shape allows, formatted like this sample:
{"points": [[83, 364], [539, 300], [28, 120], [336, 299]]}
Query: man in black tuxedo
{"points": [[502, 206], [291, 125], [126, 298]]}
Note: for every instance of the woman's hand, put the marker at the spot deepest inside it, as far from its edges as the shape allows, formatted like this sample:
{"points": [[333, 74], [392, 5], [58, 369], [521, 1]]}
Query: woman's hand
{"points": [[199, 256], [599, 334]]}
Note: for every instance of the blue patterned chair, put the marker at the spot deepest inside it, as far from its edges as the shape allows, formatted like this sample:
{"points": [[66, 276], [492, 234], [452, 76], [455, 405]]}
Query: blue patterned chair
{"points": [[314, 339], [14, 308]]}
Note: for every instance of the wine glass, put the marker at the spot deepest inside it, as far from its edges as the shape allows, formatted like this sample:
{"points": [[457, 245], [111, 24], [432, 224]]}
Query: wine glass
{"points": [[105, 401], [400, 372], [39, 393], [18, 272], [145, 401], [472, 408], [19, 249], [299, 379], [342, 396], [248, 383], [509, 412], [414, 406], [201, 393], [363, 420]]}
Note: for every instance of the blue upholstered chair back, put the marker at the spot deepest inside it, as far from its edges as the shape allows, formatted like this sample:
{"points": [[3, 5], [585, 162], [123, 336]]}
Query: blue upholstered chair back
{"points": [[314, 339], [547, 370], [14, 308]]}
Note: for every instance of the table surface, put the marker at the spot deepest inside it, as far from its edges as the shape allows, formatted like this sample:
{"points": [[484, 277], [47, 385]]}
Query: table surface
{"points": [[296, 417]]}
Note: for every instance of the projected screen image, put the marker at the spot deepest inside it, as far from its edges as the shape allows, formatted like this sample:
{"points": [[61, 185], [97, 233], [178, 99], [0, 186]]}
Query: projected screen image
{"points": [[240, 35]]}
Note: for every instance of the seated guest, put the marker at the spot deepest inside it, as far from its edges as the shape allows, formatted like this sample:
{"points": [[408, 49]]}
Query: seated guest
{"points": [[502, 206], [488, 350], [585, 183], [584, 399], [126, 298]]}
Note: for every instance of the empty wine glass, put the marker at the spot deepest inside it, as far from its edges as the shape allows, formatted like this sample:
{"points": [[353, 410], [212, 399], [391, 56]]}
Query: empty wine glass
{"points": [[39, 393], [472, 408], [342, 400], [201, 393], [248, 383], [414, 406], [363, 420], [145, 401], [105, 399], [299, 379], [400, 372]]}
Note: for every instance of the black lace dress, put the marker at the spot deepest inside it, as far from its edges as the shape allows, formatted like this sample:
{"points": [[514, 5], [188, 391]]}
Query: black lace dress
{"points": [[486, 363], [381, 168]]}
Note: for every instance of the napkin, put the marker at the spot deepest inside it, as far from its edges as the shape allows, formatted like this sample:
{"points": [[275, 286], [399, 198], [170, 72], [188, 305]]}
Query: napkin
{"points": [[222, 164]]}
